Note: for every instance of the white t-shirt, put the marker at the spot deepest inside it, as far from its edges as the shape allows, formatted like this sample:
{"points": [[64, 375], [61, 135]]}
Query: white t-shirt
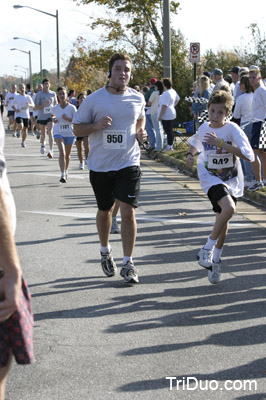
{"points": [[21, 103], [63, 127], [116, 147], [9, 100], [259, 103], [231, 177], [168, 98], [243, 107], [4, 181], [154, 100]]}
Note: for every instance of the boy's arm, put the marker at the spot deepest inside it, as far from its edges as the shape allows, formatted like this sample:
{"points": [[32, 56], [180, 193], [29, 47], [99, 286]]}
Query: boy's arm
{"points": [[9, 261]]}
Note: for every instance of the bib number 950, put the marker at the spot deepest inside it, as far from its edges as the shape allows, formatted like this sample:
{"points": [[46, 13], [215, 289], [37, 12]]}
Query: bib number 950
{"points": [[115, 139]]}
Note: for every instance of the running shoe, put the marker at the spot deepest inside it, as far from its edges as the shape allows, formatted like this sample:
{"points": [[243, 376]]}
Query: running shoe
{"points": [[129, 272], [23, 144], [115, 228], [50, 154], [255, 186], [42, 149], [14, 134], [108, 264], [63, 179], [205, 258], [214, 274], [81, 165]]}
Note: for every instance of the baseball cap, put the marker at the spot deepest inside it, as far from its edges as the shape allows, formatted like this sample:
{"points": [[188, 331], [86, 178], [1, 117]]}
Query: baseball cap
{"points": [[217, 71], [152, 81], [234, 69], [253, 67]]}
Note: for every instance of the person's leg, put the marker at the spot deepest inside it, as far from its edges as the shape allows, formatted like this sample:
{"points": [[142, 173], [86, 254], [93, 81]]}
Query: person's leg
{"points": [[128, 228], [62, 154], [68, 148], [263, 163], [3, 377], [228, 209], [256, 166], [24, 135], [86, 146], [79, 150], [150, 131], [158, 131], [50, 125], [43, 134], [103, 223], [168, 130]]}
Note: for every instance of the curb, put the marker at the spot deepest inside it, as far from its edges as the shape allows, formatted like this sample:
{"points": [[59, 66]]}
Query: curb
{"points": [[257, 198]]}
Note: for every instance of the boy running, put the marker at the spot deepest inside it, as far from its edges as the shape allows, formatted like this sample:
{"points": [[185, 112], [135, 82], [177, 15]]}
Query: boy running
{"points": [[220, 145]]}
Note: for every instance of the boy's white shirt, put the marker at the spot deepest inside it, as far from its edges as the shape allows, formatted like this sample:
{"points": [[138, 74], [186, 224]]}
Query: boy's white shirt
{"points": [[230, 133]]}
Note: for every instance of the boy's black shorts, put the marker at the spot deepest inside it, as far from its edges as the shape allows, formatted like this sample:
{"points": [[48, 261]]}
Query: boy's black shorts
{"points": [[216, 193], [123, 185]]}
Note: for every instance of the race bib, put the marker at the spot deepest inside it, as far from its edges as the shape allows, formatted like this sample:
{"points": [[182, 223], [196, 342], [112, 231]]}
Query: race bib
{"points": [[47, 110], [115, 139], [220, 161], [64, 128]]}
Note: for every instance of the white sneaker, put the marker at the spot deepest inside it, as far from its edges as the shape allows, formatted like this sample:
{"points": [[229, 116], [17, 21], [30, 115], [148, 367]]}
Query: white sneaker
{"points": [[214, 274], [42, 149], [248, 183], [205, 258], [81, 165], [115, 228], [23, 144], [256, 186], [168, 148]]}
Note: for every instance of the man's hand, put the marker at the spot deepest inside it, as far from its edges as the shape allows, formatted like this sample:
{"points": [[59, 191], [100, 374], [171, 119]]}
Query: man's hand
{"points": [[104, 123], [141, 135]]}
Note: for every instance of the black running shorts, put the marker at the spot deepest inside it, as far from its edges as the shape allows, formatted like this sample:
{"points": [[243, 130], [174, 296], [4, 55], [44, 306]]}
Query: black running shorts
{"points": [[123, 185], [216, 193]]}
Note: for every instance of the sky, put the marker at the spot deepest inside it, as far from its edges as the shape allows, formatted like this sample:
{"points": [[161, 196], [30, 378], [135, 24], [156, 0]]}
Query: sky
{"points": [[214, 27]]}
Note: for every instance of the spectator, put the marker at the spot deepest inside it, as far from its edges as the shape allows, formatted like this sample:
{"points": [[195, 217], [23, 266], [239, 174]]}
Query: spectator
{"points": [[218, 79], [167, 112], [204, 91], [154, 103], [243, 112], [149, 126]]}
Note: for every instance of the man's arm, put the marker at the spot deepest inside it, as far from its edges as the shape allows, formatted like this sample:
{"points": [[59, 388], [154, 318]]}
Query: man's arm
{"points": [[141, 134], [81, 130], [9, 261]]}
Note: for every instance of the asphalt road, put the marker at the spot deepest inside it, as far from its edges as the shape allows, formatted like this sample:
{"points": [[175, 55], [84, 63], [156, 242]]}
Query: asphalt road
{"points": [[98, 338]]}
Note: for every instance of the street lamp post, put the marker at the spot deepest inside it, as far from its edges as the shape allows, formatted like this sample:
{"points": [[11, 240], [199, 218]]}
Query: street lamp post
{"points": [[39, 44], [21, 66], [57, 34], [30, 70], [21, 70], [167, 65]]}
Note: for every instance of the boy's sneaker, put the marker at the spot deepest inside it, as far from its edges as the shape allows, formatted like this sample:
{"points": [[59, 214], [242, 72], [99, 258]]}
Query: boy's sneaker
{"points": [[42, 149], [81, 165], [214, 274], [255, 186], [129, 273], [108, 264], [114, 228], [205, 258]]}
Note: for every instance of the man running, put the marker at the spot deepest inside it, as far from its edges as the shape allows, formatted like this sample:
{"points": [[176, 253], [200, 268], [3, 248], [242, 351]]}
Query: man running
{"points": [[114, 119], [44, 101], [21, 105], [10, 96]]}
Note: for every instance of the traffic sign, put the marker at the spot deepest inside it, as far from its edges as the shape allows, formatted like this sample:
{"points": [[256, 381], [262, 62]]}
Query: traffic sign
{"points": [[194, 52]]}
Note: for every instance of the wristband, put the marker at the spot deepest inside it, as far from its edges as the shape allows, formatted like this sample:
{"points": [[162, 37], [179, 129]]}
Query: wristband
{"points": [[220, 143], [190, 154]]}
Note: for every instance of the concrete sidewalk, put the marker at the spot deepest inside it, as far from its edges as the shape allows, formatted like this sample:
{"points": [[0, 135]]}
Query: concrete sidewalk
{"points": [[98, 338]]}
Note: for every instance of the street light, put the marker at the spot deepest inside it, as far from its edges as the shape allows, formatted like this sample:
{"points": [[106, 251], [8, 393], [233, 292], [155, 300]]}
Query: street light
{"points": [[57, 34], [29, 53], [21, 70], [21, 66], [39, 44]]}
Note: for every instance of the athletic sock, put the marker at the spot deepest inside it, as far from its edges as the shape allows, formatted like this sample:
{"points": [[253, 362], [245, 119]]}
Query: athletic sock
{"points": [[210, 243], [126, 259], [217, 253], [106, 249]]}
